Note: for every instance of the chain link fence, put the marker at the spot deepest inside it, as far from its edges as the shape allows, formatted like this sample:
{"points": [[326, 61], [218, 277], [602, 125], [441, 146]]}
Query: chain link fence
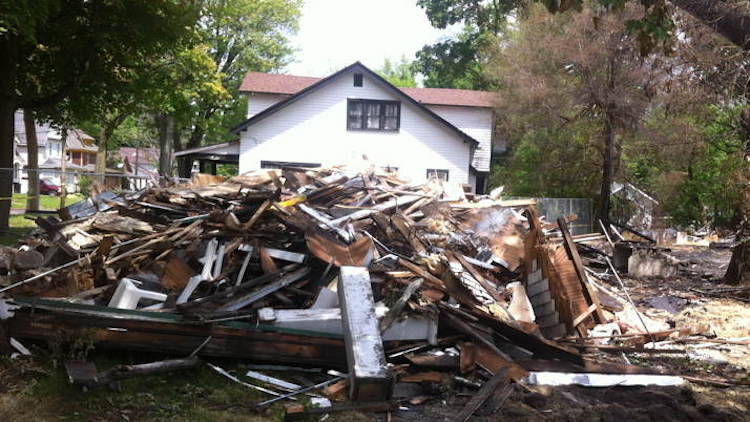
{"points": [[54, 182]]}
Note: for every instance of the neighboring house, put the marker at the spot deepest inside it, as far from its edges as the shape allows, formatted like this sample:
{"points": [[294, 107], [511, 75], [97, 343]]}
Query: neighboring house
{"points": [[80, 151], [302, 121], [140, 161]]}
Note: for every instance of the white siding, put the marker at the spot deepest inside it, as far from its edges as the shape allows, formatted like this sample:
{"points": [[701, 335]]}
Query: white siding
{"points": [[476, 122], [259, 102], [313, 130]]}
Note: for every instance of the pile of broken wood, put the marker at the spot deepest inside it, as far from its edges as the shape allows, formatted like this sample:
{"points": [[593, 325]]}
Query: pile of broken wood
{"points": [[356, 271]]}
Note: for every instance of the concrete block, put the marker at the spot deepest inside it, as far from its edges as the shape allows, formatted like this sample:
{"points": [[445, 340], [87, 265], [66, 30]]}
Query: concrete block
{"points": [[541, 298], [538, 287], [548, 320]]}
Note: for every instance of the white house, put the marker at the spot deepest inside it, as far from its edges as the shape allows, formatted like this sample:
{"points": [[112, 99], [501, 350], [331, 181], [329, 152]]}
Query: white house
{"points": [[79, 147], [309, 122]]}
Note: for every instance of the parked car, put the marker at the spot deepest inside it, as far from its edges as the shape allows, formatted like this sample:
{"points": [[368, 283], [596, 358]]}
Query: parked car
{"points": [[48, 188]]}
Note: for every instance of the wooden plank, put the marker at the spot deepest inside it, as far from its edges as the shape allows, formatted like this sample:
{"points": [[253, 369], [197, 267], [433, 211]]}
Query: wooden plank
{"points": [[418, 270], [496, 382], [478, 276], [580, 318], [120, 329], [588, 289]]}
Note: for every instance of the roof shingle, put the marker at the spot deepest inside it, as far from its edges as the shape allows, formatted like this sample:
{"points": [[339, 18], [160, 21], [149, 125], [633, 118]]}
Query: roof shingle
{"points": [[269, 83]]}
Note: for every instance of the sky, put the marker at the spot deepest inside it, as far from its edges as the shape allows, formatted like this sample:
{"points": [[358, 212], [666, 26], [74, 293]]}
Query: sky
{"points": [[336, 33]]}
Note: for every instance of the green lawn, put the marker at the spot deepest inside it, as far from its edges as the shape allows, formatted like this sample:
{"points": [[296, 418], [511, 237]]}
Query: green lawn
{"points": [[19, 228], [38, 390], [46, 202]]}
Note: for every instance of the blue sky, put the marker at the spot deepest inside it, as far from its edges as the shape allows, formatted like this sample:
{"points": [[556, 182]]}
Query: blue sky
{"points": [[336, 33]]}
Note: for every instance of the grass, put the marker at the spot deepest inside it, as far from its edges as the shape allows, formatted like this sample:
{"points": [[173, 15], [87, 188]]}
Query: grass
{"points": [[20, 225], [46, 202], [19, 228], [41, 392], [38, 390]]}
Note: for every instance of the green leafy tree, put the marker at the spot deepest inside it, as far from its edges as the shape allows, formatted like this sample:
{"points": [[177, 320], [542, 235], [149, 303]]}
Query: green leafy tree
{"points": [[240, 36], [58, 57], [457, 62], [565, 78], [401, 74]]}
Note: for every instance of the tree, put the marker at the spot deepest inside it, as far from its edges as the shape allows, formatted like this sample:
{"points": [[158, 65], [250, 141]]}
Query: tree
{"points": [[32, 168], [572, 86], [60, 56], [400, 74], [729, 18], [241, 35], [457, 62]]}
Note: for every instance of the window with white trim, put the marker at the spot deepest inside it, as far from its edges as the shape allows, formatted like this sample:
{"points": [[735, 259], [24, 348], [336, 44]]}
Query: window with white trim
{"points": [[440, 174]]}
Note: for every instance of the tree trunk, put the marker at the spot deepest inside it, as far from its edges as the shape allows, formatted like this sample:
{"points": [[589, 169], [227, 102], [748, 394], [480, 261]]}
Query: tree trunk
{"points": [[8, 57], [732, 22], [101, 153], [32, 168], [607, 168], [166, 124]]}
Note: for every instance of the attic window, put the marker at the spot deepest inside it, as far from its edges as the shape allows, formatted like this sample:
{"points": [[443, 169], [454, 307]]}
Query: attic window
{"points": [[373, 115], [440, 174], [357, 79]]}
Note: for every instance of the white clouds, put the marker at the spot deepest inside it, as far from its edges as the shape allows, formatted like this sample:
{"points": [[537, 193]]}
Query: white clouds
{"points": [[336, 33]]}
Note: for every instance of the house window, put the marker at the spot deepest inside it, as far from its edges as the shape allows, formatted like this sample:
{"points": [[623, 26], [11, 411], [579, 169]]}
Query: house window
{"points": [[282, 164], [373, 115], [54, 149], [440, 174], [357, 79]]}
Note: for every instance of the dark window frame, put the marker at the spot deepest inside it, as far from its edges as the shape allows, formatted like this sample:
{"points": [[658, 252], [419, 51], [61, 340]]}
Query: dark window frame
{"points": [[359, 80], [438, 172], [382, 116]]}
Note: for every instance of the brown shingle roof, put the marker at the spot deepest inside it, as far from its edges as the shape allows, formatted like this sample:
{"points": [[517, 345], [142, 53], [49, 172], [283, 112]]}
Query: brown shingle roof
{"points": [[269, 83], [456, 97]]}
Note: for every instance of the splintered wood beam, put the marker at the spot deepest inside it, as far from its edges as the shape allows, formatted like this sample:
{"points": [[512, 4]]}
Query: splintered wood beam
{"points": [[370, 379], [496, 382], [119, 329], [397, 307], [256, 216], [478, 276], [264, 291], [358, 215]]}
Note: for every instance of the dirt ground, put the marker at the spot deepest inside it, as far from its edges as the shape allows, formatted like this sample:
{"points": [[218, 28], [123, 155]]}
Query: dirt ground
{"points": [[37, 390]]}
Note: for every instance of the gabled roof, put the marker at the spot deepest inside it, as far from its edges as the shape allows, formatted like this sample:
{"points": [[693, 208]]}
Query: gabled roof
{"points": [[323, 82], [77, 139], [269, 83], [138, 156]]}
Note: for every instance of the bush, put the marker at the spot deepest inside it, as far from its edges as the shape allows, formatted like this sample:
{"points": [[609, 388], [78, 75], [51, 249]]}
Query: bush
{"points": [[84, 185]]}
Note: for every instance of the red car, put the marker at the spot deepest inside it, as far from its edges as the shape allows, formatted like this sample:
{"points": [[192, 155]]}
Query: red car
{"points": [[48, 188]]}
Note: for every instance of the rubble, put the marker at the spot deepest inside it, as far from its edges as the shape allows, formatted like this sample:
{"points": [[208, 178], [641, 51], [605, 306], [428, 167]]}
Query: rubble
{"points": [[332, 268]]}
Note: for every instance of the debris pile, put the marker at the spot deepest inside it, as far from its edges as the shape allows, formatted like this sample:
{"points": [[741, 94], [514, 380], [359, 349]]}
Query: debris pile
{"points": [[392, 284]]}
